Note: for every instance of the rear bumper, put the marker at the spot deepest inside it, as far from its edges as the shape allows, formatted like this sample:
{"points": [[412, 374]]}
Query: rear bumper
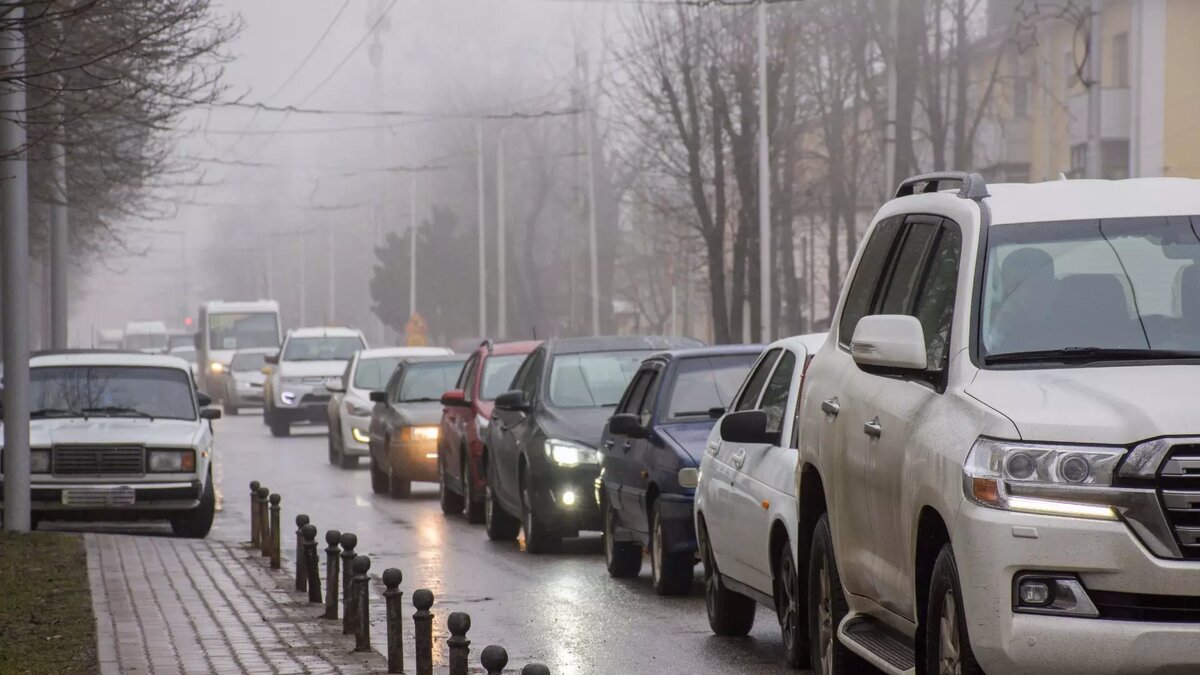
{"points": [[679, 526]]}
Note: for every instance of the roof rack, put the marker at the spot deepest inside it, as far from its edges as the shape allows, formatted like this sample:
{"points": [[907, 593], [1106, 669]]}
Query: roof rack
{"points": [[971, 185]]}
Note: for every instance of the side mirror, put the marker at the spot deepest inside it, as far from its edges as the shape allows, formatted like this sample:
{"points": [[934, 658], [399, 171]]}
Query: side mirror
{"points": [[379, 396], [203, 399], [210, 414], [272, 359], [454, 398], [748, 426], [890, 341], [513, 401], [627, 424], [336, 386]]}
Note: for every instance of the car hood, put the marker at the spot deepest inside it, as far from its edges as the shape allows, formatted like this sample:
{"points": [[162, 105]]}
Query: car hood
{"points": [[420, 414], [585, 425], [691, 437], [311, 368], [112, 430], [1108, 404]]}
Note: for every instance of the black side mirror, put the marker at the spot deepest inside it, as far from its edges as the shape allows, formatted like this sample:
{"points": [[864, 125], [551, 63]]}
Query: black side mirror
{"points": [[749, 426], [272, 359], [203, 399], [210, 414], [513, 401], [627, 424], [379, 396]]}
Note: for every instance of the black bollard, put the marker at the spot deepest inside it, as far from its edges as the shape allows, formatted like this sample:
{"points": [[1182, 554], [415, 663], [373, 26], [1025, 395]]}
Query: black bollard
{"points": [[459, 646], [394, 597], [493, 658], [275, 543], [535, 669], [423, 629], [332, 537], [254, 529], [264, 524], [349, 541], [312, 564], [362, 590], [301, 574]]}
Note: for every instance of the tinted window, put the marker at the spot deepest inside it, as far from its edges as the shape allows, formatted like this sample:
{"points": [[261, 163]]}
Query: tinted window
{"points": [[592, 380], [645, 410], [531, 376], [322, 348], [248, 362], [498, 373], [243, 330], [373, 374], [935, 307], [427, 381], [903, 281], [111, 390], [636, 392], [775, 396], [866, 278], [754, 386], [703, 383], [466, 377]]}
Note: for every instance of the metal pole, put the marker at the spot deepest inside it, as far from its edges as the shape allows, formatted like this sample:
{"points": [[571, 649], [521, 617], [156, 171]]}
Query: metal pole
{"points": [[593, 271], [412, 246], [893, 85], [59, 243], [501, 264], [14, 218], [764, 181], [332, 252], [482, 241], [303, 277], [1095, 92]]}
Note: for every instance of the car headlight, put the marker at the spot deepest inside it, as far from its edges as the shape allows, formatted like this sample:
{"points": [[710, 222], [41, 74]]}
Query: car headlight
{"points": [[570, 453], [288, 397], [1039, 478], [419, 434], [170, 461], [216, 367], [353, 408], [39, 461], [359, 435]]}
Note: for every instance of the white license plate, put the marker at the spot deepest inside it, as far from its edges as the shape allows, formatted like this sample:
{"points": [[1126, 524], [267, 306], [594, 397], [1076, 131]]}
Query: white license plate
{"points": [[99, 497]]}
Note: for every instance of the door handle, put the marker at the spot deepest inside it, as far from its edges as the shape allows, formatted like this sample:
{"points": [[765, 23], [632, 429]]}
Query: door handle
{"points": [[873, 428], [503, 426], [831, 407], [738, 459], [608, 444], [627, 445]]}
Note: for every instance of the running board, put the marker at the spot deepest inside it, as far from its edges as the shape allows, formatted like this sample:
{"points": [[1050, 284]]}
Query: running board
{"points": [[880, 646]]}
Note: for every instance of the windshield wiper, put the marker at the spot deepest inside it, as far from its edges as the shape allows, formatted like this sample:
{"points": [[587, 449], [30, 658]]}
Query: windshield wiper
{"points": [[53, 412], [114, 410], [1090, 354]]}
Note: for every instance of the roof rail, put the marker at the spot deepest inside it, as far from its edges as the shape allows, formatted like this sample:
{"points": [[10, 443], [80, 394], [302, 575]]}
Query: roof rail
{"points": [[487, 343], [972, 185]]}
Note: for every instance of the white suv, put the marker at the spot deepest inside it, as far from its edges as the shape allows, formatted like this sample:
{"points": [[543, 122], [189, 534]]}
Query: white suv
{"points": [[999, 451], [309, 359]]}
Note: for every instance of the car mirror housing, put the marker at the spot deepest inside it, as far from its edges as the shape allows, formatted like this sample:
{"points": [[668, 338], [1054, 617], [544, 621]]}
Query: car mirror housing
{"points": [[454, 398], [512, 400], [203, 399], [627, 424], [889, 341], [748, 426], [272, 359], [335, 386], [378, 397], [210, 414]]}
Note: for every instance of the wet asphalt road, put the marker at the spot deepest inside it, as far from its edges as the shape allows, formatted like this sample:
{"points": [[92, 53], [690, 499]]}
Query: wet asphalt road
{"points": [[561, 609]]}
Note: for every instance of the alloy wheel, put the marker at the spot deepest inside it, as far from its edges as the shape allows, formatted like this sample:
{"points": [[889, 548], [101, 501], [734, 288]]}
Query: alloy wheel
{"points": [[825, 619], [789, 599], [949, 649]]}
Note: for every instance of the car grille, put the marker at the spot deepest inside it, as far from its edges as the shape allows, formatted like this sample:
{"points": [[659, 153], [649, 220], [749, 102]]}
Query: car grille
{"points": [[1144, 607], [1179, 488], [71, 461]]}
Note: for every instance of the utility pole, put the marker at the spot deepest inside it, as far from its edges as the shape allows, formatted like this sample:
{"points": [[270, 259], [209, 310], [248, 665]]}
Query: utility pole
{"points": [[1095, 166], [593, 264], [893, 88], [303, 278], [14, 218], [501, 263], [332, 275], [412, 246], [764, 180], [59, 239], [483, 331]]}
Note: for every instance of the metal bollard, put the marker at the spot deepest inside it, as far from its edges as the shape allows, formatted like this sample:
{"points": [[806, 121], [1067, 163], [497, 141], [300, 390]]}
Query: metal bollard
{"points": [[264, 524], [349, 541], [535, 669], [394, 597], [301, 574], [423, 629], [332, 537], [311, 562], [362, 591], [254, 529], [493, 658], [276, 554], [459, 646]]}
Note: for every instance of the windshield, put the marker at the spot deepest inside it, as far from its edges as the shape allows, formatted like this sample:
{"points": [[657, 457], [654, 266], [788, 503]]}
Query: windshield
{"points": [[322, 348], [248, 362], [111, 390], [428, 381], [373, 374], [1091, 286], [498, 372], [708, 382], [592, 380], [188, 354], [243, 330], [145, 342]]}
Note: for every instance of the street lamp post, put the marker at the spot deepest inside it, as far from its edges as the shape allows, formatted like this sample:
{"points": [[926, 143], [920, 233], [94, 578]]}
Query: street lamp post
{"points": [[764, 180]]}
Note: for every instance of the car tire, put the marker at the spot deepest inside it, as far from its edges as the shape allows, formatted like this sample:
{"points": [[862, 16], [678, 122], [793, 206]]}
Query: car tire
{"points": [[345, 460], [379, 480], [195, 524], [730, 614], [947, 644], [451, 502], [827, 607], [499, 524], [538, 537], [334, 459], [788, 607], [474, 502], [622, 558], [280, 428], [398, 488], [671, 572]]}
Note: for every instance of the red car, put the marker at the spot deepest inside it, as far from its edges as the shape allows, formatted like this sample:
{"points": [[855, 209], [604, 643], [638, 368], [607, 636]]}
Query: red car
{"points": [[466, 412]]}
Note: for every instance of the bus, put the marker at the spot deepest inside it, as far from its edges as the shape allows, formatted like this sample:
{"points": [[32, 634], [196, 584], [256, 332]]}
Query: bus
{"points": [[227, 327]]}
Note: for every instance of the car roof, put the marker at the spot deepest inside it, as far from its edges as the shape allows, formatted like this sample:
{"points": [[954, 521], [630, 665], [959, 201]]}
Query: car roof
{"points": [[714, 350], [325, 331], [583, 345], [810, 342], [1092, 199], [381, 352], [82, 357], [445, 358], [517, 347]]}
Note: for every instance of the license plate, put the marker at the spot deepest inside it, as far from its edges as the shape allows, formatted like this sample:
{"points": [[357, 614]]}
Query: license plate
{"points": [[99, 497]]}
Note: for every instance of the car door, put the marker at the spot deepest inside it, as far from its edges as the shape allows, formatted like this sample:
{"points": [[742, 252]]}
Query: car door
{"points": [[615, 448], [453, 439], [510, 429], [639, 454], [378, 431]]}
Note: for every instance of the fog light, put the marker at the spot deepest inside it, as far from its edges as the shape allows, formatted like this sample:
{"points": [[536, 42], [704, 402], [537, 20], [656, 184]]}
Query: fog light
{"points": [[568, 498], [1052, 594], [1034, 592], [360, 435]]}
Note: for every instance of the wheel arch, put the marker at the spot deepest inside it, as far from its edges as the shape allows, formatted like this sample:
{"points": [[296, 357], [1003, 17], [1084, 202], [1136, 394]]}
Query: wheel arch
{"points": [[932, 535]]}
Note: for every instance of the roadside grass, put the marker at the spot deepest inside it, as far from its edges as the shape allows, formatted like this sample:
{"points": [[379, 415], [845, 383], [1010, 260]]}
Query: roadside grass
{"points": [[46, 622]]}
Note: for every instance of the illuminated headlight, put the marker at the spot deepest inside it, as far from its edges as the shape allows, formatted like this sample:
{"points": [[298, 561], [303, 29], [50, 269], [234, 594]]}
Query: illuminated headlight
{"points": [[171, 461], [1033, 477], [569, 453], [39, 461], [360, 435], [568, 498], [216, 367], [419, 434], [288, 397], [353, 408]]}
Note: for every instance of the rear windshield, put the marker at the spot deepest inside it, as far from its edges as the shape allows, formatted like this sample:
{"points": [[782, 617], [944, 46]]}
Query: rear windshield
{"points": [[373, 374], [593, 380], [498, 372], [428, 381], [703, 383], [116, 391]]}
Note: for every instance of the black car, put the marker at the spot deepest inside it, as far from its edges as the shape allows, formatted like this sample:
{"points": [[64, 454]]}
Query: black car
{"points": [[540, 454], [649, 453]]}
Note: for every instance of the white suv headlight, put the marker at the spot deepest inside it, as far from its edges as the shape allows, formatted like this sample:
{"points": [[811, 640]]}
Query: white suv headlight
{"points": [[1040, 478], [570, 453]]}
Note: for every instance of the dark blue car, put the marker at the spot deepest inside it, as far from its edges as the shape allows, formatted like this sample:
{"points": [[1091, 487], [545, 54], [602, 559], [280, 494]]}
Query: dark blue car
{"points": [[649, 453]]}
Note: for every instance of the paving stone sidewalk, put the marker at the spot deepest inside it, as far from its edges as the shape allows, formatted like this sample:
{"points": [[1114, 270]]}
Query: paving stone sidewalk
{"points": [[166, 605]]}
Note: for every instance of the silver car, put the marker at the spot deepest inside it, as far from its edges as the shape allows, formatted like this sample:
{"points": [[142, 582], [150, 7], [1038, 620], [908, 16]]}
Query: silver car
{"points": [[241, 384]]}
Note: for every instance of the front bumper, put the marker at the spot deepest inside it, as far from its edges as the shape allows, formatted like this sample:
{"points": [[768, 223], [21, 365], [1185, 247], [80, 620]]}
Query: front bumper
{"points": [[993, 546], [244, 394], [415, 460], [112, 500], [308, 404], [547, 499]]}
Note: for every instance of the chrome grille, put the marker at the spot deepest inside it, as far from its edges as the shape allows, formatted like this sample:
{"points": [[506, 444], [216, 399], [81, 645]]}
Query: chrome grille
{"points": [[91, 460], [1179, 488]]}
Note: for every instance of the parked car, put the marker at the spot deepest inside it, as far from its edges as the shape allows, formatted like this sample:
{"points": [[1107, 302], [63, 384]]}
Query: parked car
{"points": [[404, 423], [120, 436], [467, 410], [541, 451], [241, 384], [349, 407], [309, 358], [746, 498], [649, 453]]}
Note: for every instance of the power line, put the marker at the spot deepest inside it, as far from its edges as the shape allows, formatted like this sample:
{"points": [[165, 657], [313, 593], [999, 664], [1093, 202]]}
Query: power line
{"points": [[353, 50], [296, 110], [312, 51]]}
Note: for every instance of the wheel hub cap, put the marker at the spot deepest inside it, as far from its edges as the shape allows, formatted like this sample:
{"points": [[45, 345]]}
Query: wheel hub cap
{"points": [[825, 622], [948, 638]]}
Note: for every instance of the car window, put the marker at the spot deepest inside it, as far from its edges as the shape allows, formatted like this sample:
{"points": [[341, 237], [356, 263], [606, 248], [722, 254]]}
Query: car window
{"points": [[754, 385], [466, 377], [866, 278], [498, 372], [775, 395], [935, 306], [373, 373], [533, 374], [322, 348], [592, 379], [393, 384], [425, 382], [903, 280], [646, 409], [65, 391], [632, 400], [704, 383]]}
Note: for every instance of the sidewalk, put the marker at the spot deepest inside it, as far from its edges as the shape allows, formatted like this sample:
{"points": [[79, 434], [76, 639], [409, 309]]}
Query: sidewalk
{"points": [[166, 605]]}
